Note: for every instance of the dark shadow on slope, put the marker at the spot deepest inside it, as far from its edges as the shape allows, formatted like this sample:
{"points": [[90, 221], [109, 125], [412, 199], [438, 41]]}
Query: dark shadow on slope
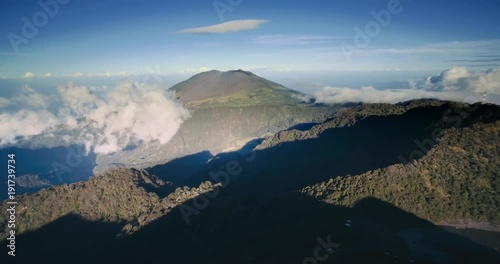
{"points": [[179, 170], [285, 228], [288, 229], [64, 239], [49, 166], [303, 127], [250, 145], [246, 150], [375, 142], [152, 184]]}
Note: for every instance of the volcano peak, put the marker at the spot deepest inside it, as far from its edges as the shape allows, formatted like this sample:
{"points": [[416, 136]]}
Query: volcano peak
{"points": [[232, 88]]}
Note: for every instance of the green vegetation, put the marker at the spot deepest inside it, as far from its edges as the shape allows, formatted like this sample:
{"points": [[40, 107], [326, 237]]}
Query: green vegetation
{"points": [[110, 197], [458, 179], [131, 197]]}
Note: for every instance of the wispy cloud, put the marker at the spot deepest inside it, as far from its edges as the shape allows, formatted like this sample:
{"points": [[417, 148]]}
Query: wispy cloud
{"points": [[426, 58], [490, 49], [197, 70], [488, 61], [231, 26], [453, 48], [92, 75], [294, 39]]}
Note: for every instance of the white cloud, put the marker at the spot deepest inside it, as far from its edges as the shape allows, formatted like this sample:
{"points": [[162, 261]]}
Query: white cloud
{"points": [[204, 69], [457, 84], [131, 114], [109, 74], [77, 99], [24, 123], [335, 95], [303, 97], [47, 75], [28, 75], [230, 26], [198, 70], [30, 98], [92, 75], [460, 79], [126, 115]]}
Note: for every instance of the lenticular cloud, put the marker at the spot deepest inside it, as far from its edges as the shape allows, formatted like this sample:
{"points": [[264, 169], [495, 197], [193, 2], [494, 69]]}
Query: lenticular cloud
{"points": [[107, 120]]}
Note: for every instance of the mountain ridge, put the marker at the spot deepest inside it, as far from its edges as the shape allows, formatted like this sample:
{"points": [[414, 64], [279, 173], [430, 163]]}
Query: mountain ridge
{"points": [[143, 211]]}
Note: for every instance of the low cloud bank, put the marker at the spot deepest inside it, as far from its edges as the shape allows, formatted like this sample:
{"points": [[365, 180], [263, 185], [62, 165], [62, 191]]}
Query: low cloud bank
{"points": [[460, 79], [335, 95], [106, 120], [457, 84]]}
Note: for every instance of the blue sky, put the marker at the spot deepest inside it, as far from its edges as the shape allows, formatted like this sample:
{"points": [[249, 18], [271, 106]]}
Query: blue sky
{"points": [[287, 39]]}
